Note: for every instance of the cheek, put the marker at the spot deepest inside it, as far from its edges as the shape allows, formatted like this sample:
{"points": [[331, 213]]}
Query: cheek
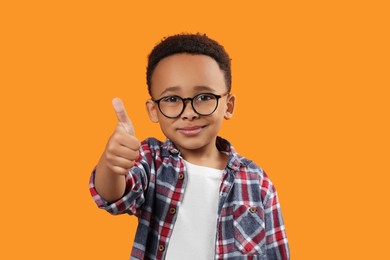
{"points": [[165, 130], [165, 124], [218, 118]]}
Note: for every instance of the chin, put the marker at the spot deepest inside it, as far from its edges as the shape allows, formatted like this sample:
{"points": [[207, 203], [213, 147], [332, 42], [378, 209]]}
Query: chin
{"points": [[194, 144], [189, 145]]}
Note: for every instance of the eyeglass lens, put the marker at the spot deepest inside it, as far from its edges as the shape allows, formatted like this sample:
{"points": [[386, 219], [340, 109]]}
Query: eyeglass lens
{"points": [[203, 104]]}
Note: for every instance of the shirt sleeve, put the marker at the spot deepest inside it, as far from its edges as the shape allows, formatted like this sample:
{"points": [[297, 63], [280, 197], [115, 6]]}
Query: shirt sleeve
{"points": [[136, 185], [276, 239]]}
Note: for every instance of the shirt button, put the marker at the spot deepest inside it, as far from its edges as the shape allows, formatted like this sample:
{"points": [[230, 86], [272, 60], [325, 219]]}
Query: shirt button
{"points": [[181, 176], [161, 248], [172, 211], [252, 209]]}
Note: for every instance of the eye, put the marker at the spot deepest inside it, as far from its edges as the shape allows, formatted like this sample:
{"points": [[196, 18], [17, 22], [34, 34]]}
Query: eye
{"points": [[171, 99], [205, 97]]}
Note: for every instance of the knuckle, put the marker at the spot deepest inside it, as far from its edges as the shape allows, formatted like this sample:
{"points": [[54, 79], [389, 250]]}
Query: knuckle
{"points": [[110, 152], [134, 155], [130, 164], [135, 142], [123, 171], [115, 138], [119, 170], [110, 145]]}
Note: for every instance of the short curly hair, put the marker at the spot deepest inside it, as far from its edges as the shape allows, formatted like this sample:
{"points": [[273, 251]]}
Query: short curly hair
{"points": [[193, 44]]}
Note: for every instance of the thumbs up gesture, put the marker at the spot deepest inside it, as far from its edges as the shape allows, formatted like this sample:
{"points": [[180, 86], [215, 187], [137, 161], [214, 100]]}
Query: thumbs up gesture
{"points": [[122, 148]]}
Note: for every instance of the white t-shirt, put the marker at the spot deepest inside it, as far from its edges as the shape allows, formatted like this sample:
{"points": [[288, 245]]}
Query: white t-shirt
{"points": [[194, 233]]}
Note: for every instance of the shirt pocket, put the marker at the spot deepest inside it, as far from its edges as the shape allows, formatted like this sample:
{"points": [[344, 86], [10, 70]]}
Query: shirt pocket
{"points": [[249, 229]]}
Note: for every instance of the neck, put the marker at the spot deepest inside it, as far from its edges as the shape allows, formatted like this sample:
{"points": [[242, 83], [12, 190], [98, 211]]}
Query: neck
{"points": [[206, 156]]}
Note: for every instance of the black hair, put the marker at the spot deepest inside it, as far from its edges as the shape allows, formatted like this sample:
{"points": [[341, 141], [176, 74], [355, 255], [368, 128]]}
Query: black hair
{"points": [[193, 44]]}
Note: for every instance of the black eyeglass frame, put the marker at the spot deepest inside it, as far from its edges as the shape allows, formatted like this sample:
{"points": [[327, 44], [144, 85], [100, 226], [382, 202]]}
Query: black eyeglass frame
{"points": [[217, 97]]}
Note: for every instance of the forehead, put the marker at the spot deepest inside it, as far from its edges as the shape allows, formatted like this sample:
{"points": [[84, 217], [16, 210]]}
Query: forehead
{"points": [[186, 74]]}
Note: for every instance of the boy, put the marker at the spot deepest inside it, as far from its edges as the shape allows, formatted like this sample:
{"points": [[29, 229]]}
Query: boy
{"points": [[195, 197]]}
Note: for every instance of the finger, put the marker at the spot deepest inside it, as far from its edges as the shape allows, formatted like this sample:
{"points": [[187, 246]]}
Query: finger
{"points": [[122, 138], [126, 153], [122, 162], [122, 116], [119, 170]]}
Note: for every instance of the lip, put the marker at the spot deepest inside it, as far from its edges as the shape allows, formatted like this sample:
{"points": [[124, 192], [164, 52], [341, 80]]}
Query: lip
{"points": [[190, 130]]}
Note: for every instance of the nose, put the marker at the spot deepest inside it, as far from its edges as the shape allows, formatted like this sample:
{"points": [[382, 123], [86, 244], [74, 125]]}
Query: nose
{"points": [[188, 112]]}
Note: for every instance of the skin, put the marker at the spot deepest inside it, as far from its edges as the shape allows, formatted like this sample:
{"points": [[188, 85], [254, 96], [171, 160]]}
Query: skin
{"points": [[184, 75]]}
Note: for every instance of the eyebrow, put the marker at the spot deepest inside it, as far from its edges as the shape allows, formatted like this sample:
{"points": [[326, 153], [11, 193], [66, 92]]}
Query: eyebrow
{"points": [[197, 88], [204, 88], [169, 89]]}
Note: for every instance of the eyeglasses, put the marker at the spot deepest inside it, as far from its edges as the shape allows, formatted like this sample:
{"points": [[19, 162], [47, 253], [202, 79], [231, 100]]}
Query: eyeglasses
{"points": [[204, 104]]}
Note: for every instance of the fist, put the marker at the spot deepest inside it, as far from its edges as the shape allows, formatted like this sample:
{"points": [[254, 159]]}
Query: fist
{"points": [[122, 148]]}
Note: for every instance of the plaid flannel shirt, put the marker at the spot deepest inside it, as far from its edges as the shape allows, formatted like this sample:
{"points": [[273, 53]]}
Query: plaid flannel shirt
{"points": [[250, 223]]}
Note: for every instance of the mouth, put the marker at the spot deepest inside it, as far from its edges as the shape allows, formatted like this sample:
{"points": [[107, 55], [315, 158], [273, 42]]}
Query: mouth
{"points": [[190, 131]]}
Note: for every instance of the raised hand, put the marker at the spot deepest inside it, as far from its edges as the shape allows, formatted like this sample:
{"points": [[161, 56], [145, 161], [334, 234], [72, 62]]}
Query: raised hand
{"points": [[122, 148]]}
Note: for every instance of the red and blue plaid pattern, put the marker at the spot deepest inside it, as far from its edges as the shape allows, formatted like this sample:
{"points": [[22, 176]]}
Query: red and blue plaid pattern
{"points": [[250, 223]]}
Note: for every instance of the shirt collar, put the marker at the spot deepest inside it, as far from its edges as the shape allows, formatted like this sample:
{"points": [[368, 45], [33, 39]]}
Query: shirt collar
{"points": [[234, 160]]}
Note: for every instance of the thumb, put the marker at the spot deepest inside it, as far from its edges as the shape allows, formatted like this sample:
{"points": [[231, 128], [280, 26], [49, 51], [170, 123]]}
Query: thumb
{"points": [[122, 116]]}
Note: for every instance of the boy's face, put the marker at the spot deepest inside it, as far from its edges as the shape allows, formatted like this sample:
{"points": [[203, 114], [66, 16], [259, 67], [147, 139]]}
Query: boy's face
{"points": [[187, 75]]}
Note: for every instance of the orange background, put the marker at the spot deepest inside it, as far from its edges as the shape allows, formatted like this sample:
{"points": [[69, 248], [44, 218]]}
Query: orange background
{"points": [[312, 81]]}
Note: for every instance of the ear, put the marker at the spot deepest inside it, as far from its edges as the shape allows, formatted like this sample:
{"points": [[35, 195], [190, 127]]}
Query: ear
{"points": [[230, 101], [151, 108]]}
